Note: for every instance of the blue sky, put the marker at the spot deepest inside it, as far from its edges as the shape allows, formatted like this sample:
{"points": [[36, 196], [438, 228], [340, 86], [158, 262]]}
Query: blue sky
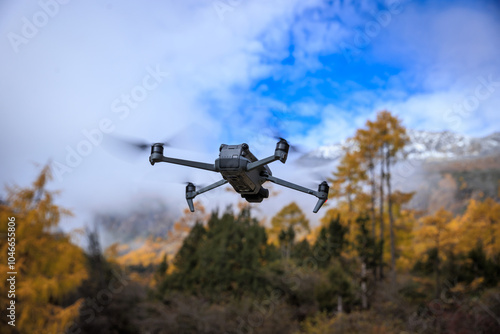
{"points": [[239, 70]]}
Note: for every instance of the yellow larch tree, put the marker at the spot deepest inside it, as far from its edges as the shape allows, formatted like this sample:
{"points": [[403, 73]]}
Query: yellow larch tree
{"points": [[404, 224], [49, 267], [347, 179], [368, 150], [289, 224], [435, 232], [480, 224], [391, 136]]}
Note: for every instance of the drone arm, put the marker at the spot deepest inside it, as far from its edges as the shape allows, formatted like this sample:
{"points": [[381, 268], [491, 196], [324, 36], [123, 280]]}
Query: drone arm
{"points": [[188, 163], [212, 186], [280, 153], [262, 162], [293, 186], [191, 192], [321, 194]]}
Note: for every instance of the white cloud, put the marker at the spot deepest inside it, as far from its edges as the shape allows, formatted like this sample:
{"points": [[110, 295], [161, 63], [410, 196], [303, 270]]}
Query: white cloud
{"points": [[65, 79]]}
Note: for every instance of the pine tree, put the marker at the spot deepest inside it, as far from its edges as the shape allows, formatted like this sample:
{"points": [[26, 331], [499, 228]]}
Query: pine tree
{"points": [[222, 259], [369, 252], [331, 242]]}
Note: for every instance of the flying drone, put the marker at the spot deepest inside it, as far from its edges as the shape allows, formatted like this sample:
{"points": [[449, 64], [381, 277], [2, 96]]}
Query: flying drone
{"points": [[243, 171]]}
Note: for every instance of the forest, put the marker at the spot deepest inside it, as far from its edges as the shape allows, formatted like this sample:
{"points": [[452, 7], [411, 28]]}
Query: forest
{"points": [[372, 263]]}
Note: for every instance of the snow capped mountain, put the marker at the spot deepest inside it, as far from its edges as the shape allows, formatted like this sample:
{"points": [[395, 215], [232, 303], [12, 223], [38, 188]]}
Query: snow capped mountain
{"points": [[424, 145]]}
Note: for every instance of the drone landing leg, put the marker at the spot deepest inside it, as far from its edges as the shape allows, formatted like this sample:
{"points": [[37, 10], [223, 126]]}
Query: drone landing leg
{"points": [[191, 192]]}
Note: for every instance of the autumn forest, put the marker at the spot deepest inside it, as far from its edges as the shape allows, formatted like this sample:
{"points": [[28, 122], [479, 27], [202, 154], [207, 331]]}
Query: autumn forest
{"points": [[372, 262]]}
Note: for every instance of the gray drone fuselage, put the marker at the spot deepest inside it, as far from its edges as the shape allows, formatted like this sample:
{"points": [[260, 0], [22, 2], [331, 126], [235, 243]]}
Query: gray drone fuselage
{"points": [[233, 163]]}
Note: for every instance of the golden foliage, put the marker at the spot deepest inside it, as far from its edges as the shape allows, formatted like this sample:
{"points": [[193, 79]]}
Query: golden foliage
{"points": [[479, 224], [435, 231], [149, 253], [48, 265], [186, 222], [290, 216]]}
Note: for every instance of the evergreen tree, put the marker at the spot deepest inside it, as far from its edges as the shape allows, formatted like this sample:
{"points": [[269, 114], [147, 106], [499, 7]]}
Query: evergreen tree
{"points": [[330, 242], [369, 251], [301, 251], [108, 295], [224, 259], [367, 247], [161, 271], [186, 261]]}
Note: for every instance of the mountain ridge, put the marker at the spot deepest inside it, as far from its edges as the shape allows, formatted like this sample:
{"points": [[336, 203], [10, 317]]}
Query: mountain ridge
{"points": [[424, 145]]}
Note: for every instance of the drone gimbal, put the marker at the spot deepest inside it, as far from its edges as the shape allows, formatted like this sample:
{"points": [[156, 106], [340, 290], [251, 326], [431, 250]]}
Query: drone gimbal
{"points": [[240, 168]]}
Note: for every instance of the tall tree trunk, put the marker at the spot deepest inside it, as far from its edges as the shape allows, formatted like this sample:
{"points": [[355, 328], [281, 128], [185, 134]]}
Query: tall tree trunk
{"points": [[391, 218], [373, 195], [437, 270], [364, 297], [381, 210], [371, 168], [349, 201]]}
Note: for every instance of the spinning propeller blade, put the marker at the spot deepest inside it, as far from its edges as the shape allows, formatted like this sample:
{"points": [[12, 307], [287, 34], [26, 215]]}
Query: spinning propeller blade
{"points": [[293, 147]]}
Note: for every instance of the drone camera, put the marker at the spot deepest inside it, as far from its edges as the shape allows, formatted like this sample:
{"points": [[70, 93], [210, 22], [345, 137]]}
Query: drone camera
{"points": [[281, 151]]}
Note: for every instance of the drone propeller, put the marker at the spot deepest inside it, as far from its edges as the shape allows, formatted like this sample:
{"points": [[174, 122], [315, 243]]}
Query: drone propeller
{"points": [[195, 184], [139, 145], [131, 149], [316, 177], [293, 147]]}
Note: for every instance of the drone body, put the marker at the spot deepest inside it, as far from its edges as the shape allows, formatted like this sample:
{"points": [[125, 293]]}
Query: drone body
{"points": [[243, 171], [233, 163]]}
